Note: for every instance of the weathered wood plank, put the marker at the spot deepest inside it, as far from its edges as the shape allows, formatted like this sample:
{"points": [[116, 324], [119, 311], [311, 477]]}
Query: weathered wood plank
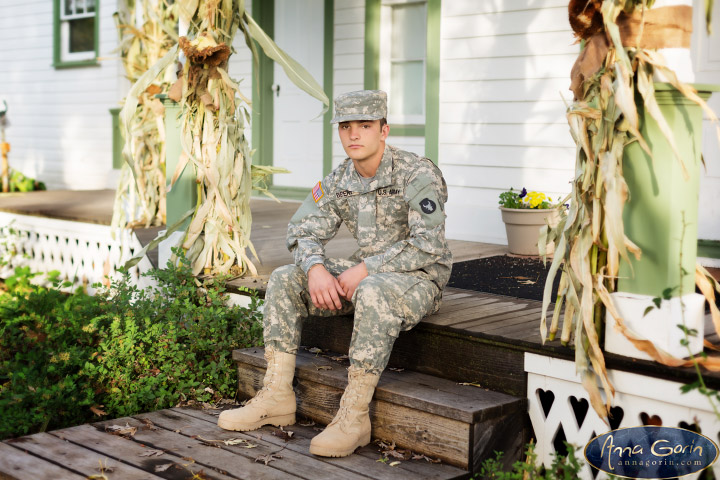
{"points": [[17, 464], [363, 462], [129, 452], [477, 312], [295, 461], [448, 440], [480, 323], [234, 461], [81, 459]]}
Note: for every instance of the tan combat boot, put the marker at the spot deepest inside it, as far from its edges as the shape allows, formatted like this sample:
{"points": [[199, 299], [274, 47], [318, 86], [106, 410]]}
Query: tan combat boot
{"points": [[350, 428], [274, 403]]}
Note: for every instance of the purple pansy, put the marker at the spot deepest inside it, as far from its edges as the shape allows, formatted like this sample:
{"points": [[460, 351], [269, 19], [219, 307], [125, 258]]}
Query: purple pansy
{"points": [[523, 193]]}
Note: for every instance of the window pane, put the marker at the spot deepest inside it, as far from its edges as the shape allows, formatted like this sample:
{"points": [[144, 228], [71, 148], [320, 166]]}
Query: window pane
{"points": [[90, 6], [408, 31], [408, 85], [69, 7], [82, 35]]}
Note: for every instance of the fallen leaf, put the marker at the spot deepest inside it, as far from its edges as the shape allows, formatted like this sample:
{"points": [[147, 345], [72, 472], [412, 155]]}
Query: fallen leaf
{"points": [[209, 390], [149, 425], [240, 441], [395, 453], [471, 384], [120, 430], [527, 282], [323, 367], [266, 459], [163, 467], [397, 369], [96, 409], [151, 453], [426, 458], [314, 350], [309, 423], [394, 464], [280, 433], [339, 358]]}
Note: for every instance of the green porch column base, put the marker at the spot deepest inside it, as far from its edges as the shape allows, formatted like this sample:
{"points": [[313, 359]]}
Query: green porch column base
{"points": [[183, 195], [661, 214]]}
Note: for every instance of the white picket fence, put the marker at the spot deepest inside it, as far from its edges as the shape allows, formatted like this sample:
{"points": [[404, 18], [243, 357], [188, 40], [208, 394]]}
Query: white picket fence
{"points": [[84, 253], [558, 402]]}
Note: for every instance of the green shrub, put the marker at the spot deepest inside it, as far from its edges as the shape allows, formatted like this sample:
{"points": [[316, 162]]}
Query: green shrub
{"points": [[564, 467], [121, 352]]}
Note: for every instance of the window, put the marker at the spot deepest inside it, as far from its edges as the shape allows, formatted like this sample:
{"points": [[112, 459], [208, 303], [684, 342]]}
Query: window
{"points": [[75, 32], [403, 39]]}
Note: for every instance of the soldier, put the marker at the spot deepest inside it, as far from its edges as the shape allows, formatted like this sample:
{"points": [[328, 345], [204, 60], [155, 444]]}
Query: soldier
{"points": [[392, 202]]}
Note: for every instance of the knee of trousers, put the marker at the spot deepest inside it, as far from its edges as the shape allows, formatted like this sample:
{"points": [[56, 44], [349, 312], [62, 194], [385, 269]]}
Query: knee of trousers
{"points": [[286, 276], [376, 308]]}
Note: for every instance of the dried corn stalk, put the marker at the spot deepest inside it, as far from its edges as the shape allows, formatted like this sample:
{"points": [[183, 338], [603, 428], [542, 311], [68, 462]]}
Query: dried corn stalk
{"points": [[214, 115], [140, 201], [590, 240]]}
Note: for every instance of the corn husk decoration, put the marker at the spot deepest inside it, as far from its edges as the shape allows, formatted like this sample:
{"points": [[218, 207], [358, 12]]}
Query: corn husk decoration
{"points": [[214, 118], [590, 239], [140, 200]]}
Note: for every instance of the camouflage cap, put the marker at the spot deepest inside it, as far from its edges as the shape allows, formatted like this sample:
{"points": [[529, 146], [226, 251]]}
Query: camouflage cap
{"points": [[360, 105]]}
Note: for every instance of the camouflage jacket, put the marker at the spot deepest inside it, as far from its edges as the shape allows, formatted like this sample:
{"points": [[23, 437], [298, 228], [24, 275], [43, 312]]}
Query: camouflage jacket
{"points": [[398, 219]]}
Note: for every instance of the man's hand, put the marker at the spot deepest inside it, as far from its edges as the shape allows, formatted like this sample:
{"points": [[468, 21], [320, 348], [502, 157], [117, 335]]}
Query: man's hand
{"points": [[325, 290], [351, 278]]}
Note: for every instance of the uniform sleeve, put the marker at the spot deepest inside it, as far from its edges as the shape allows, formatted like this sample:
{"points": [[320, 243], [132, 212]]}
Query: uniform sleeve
{"points": [[425, 194], [312, 226]]}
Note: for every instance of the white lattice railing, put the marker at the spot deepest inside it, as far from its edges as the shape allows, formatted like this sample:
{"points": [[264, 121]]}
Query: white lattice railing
{"points": [[559, 407], [84, 253]]}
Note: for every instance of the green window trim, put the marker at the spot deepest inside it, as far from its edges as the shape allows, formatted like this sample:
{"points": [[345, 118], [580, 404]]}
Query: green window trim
{"points": [[432, 73], [708, 248], [58, 62], [328, 75]]}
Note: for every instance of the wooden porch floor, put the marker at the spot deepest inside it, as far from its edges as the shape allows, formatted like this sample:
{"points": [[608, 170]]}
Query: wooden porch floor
{"points": [[184, 443]]}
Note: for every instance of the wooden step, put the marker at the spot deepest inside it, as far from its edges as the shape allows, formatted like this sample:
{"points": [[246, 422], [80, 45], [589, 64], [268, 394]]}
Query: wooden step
{"points": [[185, 444], [461, 425]]}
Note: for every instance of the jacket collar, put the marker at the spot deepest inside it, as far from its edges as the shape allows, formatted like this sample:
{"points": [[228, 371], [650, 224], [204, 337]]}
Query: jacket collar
{"points": [[383, 176]]}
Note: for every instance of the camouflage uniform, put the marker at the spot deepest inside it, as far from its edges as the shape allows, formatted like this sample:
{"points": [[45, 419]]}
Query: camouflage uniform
{"points": [[398, 220]]}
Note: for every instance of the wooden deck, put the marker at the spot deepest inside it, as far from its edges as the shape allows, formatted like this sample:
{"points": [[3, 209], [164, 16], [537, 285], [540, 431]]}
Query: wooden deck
{"points": [[183, 443]]}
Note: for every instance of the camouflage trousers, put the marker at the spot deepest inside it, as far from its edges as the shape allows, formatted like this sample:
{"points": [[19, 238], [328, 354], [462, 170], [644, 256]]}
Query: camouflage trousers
{"points": [[384, 304]]}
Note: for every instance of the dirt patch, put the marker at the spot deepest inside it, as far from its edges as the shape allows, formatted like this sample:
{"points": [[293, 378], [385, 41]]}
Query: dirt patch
{"points": [[521, 277]]}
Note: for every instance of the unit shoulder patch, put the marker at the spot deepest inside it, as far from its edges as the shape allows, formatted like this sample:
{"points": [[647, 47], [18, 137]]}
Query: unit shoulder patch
{"points": [[427, 206]]}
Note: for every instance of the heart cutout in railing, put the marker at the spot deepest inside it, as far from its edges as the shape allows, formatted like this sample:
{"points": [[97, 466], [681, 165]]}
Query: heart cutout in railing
{"points": [[559, 441], [693, 427], [580, 409], [615, 417], [546, 400], [650, 420]]}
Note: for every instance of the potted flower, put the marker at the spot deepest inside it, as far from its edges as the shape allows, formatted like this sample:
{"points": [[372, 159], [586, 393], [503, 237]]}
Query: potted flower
{"points": [[524, 214]]}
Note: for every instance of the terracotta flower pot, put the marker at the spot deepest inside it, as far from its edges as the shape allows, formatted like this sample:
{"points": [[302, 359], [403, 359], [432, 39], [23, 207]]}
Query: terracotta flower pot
{"points": [[523, 228]]}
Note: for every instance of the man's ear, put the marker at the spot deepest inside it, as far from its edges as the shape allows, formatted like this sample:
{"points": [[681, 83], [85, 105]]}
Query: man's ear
{"points": [[385, 131]]}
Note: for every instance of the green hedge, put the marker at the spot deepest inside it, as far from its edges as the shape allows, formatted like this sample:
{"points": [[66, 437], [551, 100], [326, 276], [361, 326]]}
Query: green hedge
{"points": [[70, 359]]}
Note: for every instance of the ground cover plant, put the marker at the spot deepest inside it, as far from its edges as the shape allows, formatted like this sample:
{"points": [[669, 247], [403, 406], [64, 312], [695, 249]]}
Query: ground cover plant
{"points": [[67, 359]]}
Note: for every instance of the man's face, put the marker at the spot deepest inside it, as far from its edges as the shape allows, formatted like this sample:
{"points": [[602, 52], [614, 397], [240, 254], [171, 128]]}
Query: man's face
{"points": [[363, 139]]}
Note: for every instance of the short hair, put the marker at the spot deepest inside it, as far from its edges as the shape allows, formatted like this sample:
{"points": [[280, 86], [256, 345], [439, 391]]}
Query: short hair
{"points": [[383, 122]]}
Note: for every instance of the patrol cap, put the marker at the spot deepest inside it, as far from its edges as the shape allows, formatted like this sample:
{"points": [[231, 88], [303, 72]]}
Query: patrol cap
{"points": [[360, 105]]}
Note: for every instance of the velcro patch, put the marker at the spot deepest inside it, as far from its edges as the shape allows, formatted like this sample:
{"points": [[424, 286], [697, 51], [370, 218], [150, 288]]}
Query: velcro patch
{"points": [[317, 192]]}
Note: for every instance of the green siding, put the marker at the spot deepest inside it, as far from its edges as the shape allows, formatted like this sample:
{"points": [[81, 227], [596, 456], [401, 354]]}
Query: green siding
{"points": [[328, 66], [262, 98], [372, 44], [432, 81], [117, 140]]}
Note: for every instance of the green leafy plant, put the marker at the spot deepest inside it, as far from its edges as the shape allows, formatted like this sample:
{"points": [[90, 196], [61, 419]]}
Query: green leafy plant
{"points": [[564, 467], [67, 359], [525, 199]]}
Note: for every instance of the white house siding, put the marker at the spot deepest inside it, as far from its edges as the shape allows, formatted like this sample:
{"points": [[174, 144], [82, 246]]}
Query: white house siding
{"points": [[240, 67], [503, 68], [59, 124], [706, 57], [348, 57]]}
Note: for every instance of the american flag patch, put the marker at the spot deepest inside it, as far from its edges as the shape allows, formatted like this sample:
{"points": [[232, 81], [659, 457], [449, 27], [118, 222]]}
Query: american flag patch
{"points": [[317, 192]]}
